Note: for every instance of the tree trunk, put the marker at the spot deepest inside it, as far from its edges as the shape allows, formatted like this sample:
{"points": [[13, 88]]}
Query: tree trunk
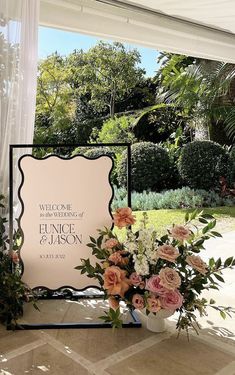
{"points": [[201, 129]]}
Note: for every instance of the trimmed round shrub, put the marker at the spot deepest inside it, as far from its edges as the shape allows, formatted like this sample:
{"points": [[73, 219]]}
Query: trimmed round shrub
{"points": [[202, 163], [150, 167]]}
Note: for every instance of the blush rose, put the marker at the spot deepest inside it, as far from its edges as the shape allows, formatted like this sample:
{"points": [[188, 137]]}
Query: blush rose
{"points": [[117, 258], [137, 280], [169, 278], [167, 252], [180, 232], [197, 263], [110, 243], [154, 286], [172, 300]]}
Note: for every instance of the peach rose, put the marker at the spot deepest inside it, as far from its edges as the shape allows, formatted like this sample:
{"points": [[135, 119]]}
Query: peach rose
{"points": [[117, 258], [180, 233], [170, 279], [154, 286], [167, 252], [110, 243], [138, 301], [123, 217], [115, 281], [15, 257], [113, 303], [172, 300], [137, 280], [153, 304], [197, 263]]}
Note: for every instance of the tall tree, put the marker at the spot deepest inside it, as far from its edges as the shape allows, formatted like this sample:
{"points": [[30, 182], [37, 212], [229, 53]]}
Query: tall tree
{"points": [[107, 72], [55, 105]]}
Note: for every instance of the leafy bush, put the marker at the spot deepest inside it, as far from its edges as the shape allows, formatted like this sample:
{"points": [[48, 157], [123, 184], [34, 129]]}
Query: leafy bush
{"points": [[202, 163], [99, 151], [158, 123], [179, 198], [118, 129], [150, 167], [13, 292]]}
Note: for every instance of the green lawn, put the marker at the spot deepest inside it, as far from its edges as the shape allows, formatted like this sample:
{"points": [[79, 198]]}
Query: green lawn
{"points": [[163, 219]]}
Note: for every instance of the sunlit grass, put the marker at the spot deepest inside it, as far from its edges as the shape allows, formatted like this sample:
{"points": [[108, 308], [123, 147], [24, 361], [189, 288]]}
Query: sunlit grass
{"points": [[163, 219]]}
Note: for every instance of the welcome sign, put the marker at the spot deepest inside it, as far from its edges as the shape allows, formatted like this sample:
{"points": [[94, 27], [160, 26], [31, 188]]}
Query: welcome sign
{"points": [[64, 201]]}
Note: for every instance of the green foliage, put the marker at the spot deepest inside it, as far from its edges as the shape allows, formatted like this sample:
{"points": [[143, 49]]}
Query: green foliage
{"points": [[13, 292], [113, 317], [158, 123], [202, 163], [173, 199], [150, 167], [118, 129]]}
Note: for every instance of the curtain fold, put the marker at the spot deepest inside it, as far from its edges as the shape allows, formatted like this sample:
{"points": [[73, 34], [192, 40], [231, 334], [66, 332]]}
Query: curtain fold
{"points": [[18, 79]]}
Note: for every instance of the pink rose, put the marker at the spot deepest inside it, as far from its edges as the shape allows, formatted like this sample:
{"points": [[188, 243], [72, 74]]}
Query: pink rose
{"points": [[138, 301], [197, 263], [154, 286], [123, 217], [153, 304], [180, 232], [136, 279], [168, 252], [170, 279], [109, 244], [113, 303], [172, 300], [115, 281]]}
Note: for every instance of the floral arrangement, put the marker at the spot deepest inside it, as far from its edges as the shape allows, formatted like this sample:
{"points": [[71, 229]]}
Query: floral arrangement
{"points": [[13, 292], [150, 273]]}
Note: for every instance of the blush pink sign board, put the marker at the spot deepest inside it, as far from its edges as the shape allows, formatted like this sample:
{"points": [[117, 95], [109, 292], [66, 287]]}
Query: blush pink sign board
{"points": [[64, 201]]}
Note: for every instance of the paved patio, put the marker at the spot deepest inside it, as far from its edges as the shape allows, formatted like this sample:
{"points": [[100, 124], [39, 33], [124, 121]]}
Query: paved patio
{"points": [[126, 351]]}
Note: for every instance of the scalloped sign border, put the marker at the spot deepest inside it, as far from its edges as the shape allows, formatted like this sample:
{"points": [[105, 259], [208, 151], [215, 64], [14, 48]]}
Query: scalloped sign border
{"points": [[64, 201]]}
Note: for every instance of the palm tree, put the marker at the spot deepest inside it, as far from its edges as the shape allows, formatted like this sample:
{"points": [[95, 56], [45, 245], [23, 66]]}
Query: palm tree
{"points": [[204, 89]]}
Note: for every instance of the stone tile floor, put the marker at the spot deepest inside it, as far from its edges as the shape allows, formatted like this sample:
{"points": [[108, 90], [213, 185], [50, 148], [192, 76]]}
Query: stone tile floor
{"points": [[126, 351]]}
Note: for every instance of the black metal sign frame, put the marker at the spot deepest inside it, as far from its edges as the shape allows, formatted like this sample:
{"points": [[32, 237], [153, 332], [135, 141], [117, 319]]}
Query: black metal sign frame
{"points": [[62, 292]]}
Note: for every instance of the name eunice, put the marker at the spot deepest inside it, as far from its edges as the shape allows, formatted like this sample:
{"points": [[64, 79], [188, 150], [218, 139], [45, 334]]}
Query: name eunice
{"points": [[56, 228]]}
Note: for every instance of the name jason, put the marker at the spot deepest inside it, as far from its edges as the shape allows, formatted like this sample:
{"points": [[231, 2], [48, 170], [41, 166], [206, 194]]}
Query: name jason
{"points": [[59, 234]]}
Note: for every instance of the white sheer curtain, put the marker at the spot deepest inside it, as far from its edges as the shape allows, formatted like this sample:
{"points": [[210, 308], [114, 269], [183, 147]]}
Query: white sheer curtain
{"points": [[18, 76]]}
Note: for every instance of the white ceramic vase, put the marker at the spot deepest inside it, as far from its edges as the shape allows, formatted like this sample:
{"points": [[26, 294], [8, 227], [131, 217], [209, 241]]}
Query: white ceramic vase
{"points": [[156, 323]]}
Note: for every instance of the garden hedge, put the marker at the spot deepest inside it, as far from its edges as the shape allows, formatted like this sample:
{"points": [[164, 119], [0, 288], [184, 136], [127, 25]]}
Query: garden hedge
{"points": [[202, 163]]}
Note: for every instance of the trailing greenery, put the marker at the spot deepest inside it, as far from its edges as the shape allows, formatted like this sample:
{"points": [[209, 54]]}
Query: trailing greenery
{"points": [[173, 199], [202, 163], [150, 167], [13, 292]]}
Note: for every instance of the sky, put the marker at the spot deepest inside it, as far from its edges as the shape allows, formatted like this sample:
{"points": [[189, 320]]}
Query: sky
{"points": [[64, 42]]}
